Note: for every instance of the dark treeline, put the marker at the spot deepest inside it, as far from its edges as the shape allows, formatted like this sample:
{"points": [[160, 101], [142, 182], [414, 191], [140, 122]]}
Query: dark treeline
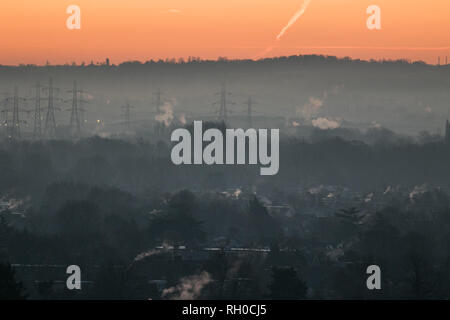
{"points": [[140, 227], [340, 70], [112, 237], [139, 166]]}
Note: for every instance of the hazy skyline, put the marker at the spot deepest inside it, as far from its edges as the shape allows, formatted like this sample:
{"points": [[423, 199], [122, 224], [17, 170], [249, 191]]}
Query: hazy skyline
{"points": [[35, 32]]}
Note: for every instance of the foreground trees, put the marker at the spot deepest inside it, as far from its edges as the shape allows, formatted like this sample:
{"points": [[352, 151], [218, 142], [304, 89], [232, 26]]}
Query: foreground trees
{"points": [[286, 285], [10, 288]]}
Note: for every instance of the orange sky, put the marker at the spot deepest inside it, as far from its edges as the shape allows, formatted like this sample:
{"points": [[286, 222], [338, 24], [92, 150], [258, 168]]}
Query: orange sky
{"points": [[34, 31]]}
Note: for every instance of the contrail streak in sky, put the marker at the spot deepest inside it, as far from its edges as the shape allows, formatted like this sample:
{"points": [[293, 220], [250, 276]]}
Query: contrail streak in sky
{"points": [[294, 18], [297, 15]]}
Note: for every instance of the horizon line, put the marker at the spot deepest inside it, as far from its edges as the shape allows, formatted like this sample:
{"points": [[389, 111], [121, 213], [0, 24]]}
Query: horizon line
{"points": [[195, 59]]}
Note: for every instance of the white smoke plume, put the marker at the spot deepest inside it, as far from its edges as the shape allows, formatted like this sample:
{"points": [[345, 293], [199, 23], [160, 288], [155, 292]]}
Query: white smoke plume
{"points": [[324, 123], [369, 197], [376, 125], [418, 191], [182, 119], [12, 204], [311, 107], [294, 18], [166, 114], [165, 246], [388, 190], [189, 288], [86, 96], [146, 254]]}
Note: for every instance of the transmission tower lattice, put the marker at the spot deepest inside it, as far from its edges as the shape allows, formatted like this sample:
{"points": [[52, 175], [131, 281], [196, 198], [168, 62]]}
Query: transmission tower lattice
{"points": [[50, 122], [223, 103], [127, 112]]}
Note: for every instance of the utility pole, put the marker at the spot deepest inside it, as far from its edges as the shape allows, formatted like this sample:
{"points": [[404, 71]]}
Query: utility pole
{"points": [[127, 109], [223, 103], [50, 122]]}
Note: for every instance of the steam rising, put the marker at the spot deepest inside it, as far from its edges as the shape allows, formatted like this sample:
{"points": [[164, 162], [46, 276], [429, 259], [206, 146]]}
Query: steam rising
{"points": [[86, 96], [311, 107], [418, 191], [146, 254], [166, 114], [182, 119], [324, 123], [189, 288]]}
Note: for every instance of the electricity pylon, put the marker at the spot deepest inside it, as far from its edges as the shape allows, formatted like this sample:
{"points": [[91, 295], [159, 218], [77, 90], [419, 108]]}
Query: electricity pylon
{"points": [[13, 128], [50, 122], [250, 104], [127, 109], [37, 130], [81, 109], [75, 124], [4, 111], [15, 131], [223, 103]]}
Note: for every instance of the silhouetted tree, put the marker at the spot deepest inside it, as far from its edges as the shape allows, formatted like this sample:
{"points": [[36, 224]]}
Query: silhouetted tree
{"points": [[5, 231], [10, 288], [79, 219], [286, 284], [261, 223], [177, 224]]}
